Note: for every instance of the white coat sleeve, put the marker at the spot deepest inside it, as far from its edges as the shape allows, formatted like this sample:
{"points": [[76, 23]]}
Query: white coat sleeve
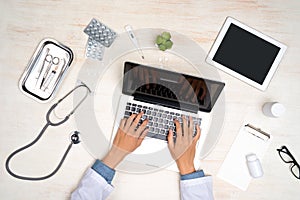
{"points": [[92, 187], [197, 189]]}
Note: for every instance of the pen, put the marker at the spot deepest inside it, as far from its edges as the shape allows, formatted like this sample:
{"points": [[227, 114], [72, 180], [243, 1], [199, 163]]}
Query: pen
{"points": [[133, 39], [257, 132]]}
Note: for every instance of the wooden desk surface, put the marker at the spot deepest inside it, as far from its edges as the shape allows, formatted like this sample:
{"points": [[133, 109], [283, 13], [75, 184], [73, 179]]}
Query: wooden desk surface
{"points": [[25, 23]]}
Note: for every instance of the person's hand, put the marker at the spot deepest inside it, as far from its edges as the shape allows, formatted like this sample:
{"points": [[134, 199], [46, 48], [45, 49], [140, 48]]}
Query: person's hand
{"points": [[184, 149], [128, 138]]}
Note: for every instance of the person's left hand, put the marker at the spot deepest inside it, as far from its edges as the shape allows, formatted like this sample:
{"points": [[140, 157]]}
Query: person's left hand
{"points": [[184, 149], [128, 138]]}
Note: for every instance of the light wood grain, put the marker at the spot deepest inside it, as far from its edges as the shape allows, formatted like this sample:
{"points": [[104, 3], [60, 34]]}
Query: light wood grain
{"points": [[24, 23]]}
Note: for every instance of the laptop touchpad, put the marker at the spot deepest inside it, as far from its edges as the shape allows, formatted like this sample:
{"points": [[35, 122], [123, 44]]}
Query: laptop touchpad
{"points": [[151, 145]]}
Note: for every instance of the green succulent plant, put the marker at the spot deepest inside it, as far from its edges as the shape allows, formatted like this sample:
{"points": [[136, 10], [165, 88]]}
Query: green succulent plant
{"points": [[163, 41]]}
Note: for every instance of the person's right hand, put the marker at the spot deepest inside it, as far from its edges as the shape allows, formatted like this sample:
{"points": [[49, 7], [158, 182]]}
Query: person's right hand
{"points": [[128, 138], [184, 149]]}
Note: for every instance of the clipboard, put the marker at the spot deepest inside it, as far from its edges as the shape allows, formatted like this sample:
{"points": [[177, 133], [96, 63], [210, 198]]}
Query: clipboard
{"points": [[234, 169]]}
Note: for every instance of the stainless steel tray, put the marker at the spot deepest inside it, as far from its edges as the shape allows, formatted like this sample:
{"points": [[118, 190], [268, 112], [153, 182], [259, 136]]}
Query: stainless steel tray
{"points": [[46, 70]]}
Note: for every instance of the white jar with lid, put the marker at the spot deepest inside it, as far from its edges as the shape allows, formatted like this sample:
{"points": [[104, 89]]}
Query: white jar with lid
{"points": [[254, 166], [273, 109]]}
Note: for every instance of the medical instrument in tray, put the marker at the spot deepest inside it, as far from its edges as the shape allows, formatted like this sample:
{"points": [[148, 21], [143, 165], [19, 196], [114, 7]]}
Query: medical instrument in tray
{"points": [[49, 79], [52, 61], [46, 70], [42, 66], [62, 70], [49, 122]]}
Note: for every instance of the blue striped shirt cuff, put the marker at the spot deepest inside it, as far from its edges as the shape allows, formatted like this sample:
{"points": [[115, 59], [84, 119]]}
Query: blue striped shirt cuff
{"points": [[196, 174], [106, 172]]}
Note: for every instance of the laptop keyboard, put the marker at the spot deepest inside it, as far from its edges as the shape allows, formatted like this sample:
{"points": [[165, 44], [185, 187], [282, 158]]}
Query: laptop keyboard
{"points": [[160, 121]]}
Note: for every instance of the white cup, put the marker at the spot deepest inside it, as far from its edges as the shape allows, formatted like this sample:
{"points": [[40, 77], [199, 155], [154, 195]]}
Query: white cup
{"points": [[273, 109]]}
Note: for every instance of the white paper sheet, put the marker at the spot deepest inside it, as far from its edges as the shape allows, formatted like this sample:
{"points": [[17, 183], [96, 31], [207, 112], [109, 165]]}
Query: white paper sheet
{"points": [[234, 168]]}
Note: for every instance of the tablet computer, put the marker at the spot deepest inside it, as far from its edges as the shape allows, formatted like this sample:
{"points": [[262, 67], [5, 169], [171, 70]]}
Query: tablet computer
{"points": [[246, 53]]}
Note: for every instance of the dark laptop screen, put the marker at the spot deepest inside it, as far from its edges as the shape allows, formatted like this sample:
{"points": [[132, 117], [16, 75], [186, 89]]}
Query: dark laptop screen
{"points": [[169, 88]]}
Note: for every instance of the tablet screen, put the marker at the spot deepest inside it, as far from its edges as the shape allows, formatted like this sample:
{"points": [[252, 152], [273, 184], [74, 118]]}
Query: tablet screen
{"points": [[246, 53]]}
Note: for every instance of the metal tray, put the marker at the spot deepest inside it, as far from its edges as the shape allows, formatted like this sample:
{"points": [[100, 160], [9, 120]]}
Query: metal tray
{"points": [[46, 70]]}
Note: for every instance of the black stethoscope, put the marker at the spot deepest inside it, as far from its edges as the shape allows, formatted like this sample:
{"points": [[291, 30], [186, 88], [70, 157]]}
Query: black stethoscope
{"points": [[74, 136]]}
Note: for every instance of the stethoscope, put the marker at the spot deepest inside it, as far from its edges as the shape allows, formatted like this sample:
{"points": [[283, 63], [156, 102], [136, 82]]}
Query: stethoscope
{"points": [[74, 137]]}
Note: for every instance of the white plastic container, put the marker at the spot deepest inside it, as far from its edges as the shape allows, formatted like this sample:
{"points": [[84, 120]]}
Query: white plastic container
{"points": [[254, 166], [273, 109]]}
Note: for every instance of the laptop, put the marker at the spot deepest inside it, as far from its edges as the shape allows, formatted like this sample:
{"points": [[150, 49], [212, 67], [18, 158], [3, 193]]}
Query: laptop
{"points": [[164, 95]]}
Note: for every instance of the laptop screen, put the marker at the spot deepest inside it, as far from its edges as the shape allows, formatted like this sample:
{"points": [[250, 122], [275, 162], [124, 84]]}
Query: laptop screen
{"points": [[169, 88]]}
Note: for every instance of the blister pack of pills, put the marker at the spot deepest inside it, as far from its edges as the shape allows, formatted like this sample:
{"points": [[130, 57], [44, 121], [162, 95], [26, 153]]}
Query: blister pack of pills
{"points": [[100, 32], [94, 49], [100, 36]]}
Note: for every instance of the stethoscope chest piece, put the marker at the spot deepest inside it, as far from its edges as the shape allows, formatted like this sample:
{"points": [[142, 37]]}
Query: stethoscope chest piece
{"points": [[75, 137]]}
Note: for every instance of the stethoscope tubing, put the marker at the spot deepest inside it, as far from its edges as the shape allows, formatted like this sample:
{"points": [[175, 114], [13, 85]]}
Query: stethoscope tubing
{"points": [[74, 140]]}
